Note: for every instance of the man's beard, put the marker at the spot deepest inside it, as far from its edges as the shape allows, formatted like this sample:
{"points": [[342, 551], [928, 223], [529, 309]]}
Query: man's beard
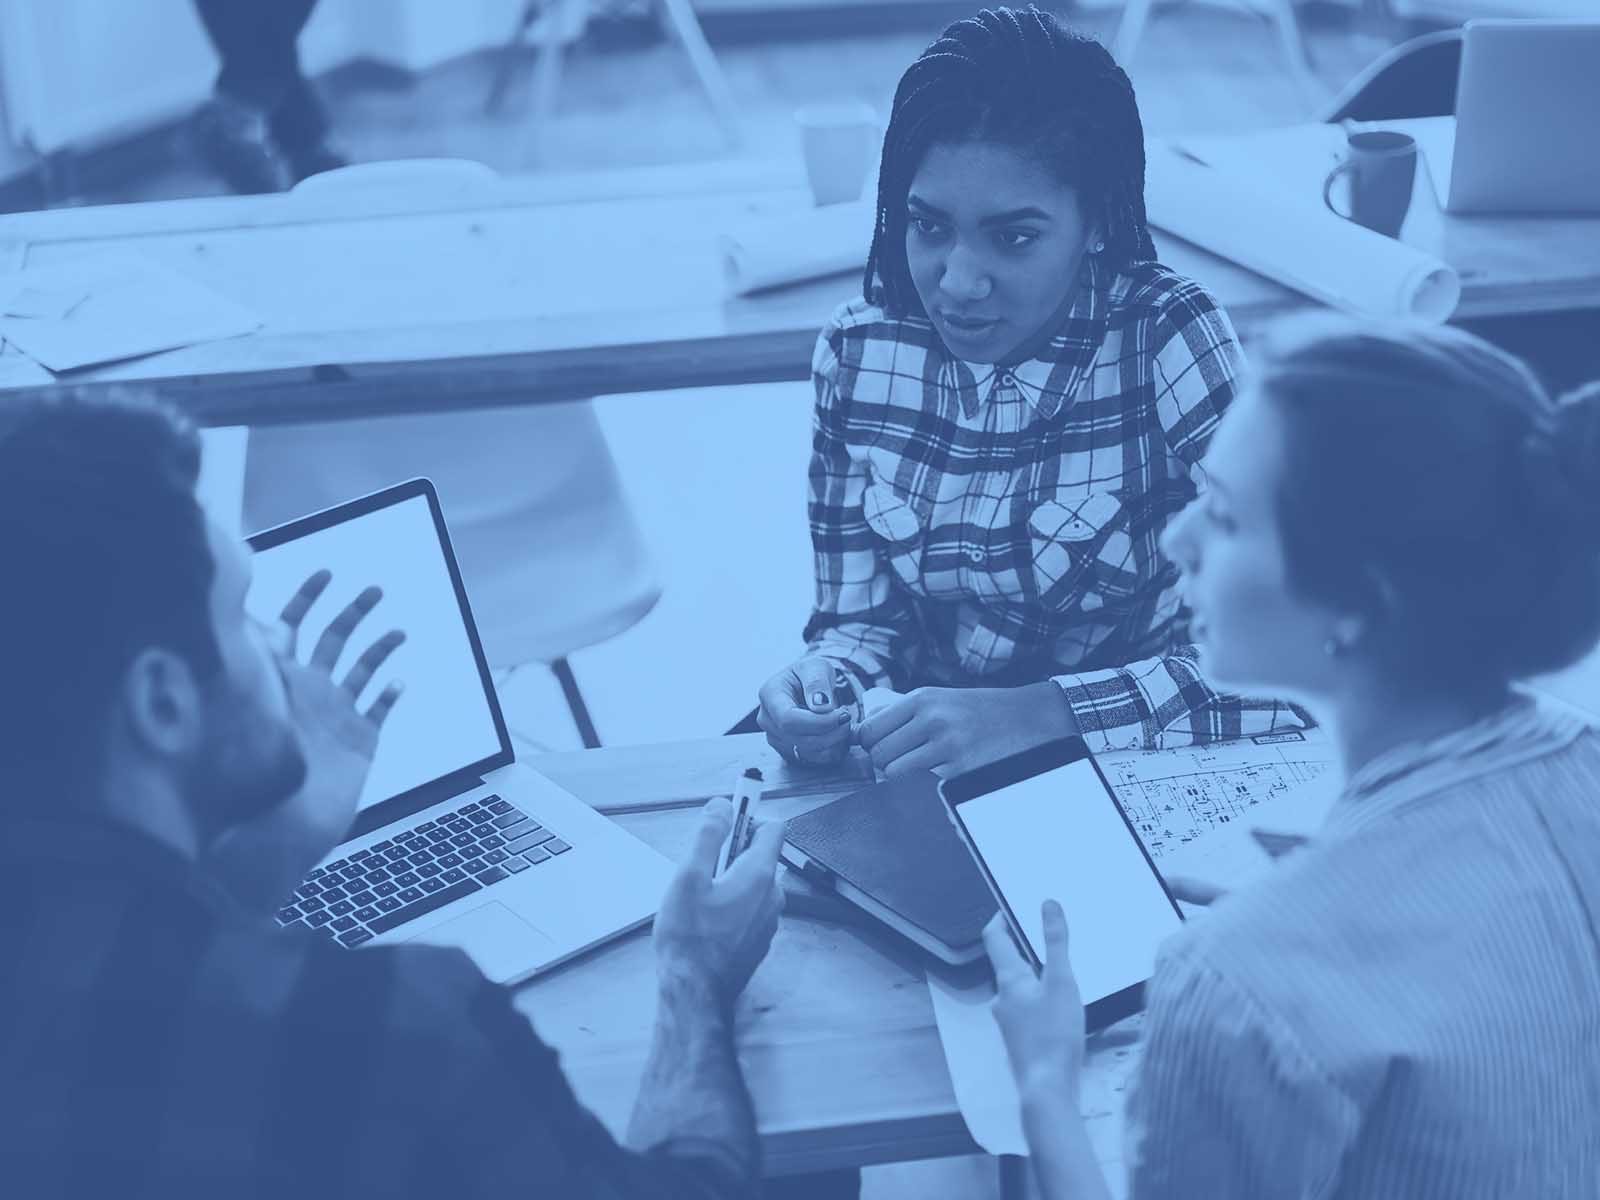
{"points": [[250, 763]]}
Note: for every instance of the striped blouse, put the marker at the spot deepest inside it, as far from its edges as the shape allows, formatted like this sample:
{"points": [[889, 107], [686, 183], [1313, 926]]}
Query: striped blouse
{"points": [[1411, 1006]]}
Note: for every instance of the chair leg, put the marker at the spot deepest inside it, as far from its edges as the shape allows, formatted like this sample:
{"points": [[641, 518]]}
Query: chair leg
{"points": [[1286, 23], [1135, 15], [568, 19], [1013, 1177], [706, 68], [580, 711], [57, 173], [547, 83], [507, 65]]}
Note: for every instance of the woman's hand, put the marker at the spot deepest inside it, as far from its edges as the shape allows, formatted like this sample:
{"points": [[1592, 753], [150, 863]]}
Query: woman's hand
{"points": [[798, 716], [1040, 1016], [951, 730]]}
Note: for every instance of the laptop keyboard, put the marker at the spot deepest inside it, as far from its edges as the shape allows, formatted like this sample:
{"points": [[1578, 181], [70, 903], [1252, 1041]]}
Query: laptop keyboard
{"points": [[427, 866]]}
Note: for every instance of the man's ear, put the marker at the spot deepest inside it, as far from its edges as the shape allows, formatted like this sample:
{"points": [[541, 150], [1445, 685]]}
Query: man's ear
{"points": [[163, 704]]}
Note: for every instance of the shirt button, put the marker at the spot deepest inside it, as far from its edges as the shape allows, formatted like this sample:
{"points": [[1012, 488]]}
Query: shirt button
{"points": [[1007, 379], [975, 555]]}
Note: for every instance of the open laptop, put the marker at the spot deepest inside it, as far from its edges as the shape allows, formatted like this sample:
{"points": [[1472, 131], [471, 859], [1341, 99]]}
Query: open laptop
{"points": [[454, 843], [1527, 111]]}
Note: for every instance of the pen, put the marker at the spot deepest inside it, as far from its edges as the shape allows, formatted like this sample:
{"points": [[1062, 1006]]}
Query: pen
{"points": [[745, 794]]}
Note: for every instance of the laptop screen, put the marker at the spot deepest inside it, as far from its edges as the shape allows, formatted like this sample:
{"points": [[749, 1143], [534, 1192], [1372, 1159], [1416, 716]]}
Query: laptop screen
{"points": [[447, 718]]}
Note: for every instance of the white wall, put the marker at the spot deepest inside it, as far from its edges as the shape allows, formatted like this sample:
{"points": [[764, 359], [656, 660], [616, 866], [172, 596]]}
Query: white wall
{"points": [[83, 70]]}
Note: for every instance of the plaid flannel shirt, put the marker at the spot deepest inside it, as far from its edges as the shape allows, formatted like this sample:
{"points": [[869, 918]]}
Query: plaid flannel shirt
{"points": [[975, 525]]}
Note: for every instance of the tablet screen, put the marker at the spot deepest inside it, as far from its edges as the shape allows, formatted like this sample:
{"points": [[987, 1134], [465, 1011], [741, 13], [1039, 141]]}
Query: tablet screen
{"points": [[1059, 835]]}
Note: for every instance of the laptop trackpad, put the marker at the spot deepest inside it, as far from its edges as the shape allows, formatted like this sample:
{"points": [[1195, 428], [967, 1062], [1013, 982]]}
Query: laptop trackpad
{"points": [[501, 943]]}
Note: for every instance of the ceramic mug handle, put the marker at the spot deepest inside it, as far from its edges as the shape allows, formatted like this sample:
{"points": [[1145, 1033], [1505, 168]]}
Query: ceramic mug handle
{"points": [[1327, 188]]}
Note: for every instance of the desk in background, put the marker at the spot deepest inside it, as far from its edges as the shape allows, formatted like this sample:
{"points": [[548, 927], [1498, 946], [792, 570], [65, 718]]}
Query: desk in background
{"points": [[552, 289]]}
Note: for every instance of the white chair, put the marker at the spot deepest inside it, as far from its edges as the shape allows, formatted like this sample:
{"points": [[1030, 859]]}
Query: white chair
{"points": [[557, 24], [1417, 78], [430, 176], [1280, 13], [550, 553]]}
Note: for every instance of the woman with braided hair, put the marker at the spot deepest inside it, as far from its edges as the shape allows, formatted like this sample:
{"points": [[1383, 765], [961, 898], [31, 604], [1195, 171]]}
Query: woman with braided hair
{"points": [[1399, 526], [1005, 423]]}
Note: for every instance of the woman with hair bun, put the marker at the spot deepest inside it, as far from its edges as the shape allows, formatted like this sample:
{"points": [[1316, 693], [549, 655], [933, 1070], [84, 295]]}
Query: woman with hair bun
{"points": [[1005, 422], [1399, 526]]}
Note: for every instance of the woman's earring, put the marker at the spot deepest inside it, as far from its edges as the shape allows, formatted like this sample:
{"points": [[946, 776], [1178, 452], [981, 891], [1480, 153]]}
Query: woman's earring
{"points": [[1333, 648], [1099, 247]]}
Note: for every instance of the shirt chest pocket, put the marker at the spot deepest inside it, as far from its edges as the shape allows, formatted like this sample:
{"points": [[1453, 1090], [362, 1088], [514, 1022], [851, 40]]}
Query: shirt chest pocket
{"points": [[890, 516], [1082, 553]]}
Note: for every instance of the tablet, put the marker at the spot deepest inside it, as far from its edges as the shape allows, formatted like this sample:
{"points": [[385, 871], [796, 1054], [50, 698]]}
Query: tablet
{"points": [[1045, 825]]}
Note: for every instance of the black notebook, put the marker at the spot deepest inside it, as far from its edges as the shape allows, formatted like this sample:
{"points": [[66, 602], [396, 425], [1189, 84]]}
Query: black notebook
{"points": [[890, 850]]}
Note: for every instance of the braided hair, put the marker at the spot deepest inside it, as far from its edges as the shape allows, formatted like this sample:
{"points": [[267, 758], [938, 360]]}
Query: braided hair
{"points": [[1020, 78]]}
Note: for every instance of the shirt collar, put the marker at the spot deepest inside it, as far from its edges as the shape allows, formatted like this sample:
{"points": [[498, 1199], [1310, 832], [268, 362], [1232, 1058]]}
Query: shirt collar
{"points": [[1047, 380], [1523, 730]]}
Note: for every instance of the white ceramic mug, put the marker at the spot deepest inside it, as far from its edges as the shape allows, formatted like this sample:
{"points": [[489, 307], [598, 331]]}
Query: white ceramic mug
{"points": [[840, 143]]}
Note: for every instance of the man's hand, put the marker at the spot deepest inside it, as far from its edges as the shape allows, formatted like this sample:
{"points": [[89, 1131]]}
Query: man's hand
{"points": [[798, 716], [262, 860], [1040, 1018], [951, 730], [338, 740], [718, 930], [710, 935]]}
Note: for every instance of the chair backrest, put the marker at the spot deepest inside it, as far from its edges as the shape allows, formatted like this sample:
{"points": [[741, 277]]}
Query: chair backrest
{"points": [[1414, 79], [220, 488], [408, 175]]}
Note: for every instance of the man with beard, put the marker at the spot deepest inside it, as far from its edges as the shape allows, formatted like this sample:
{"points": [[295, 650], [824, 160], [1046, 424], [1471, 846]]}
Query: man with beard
{"points": [[169, 768]]}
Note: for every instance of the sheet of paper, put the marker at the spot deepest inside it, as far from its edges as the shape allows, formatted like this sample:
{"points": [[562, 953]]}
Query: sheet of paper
{"points": [[1286, 232], [1295, 159], [109, 307], [987, 1095], [1195, 808], [979, 1071], [808, 243], [1436, 138]]}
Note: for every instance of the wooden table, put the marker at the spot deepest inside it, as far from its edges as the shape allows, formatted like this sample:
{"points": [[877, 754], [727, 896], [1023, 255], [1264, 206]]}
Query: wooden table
{"points": [[1509, 265], [836, 1031], [533, 290], [553, 288]]}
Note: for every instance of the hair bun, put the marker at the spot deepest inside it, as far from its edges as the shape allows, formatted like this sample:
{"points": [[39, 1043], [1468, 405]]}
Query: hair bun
{"points": [[1577, 439], [1563, 463]]}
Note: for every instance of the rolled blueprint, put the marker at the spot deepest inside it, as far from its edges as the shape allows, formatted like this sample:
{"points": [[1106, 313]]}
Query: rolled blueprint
{"points": [[805, 244], [1298, 244]]}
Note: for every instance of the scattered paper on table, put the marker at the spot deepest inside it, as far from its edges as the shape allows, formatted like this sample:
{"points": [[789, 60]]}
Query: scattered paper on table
{"points": [[979, 1070], [1286, 232], [115, 306], [987, 1095], [807, 243], [42, 303], [1195, 808]]}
